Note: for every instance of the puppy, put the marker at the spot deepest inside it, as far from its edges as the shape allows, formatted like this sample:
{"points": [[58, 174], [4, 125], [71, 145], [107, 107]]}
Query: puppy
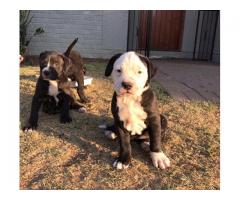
{"points": [[51, 106], [53, 87], [72, 67], [135, 108]]}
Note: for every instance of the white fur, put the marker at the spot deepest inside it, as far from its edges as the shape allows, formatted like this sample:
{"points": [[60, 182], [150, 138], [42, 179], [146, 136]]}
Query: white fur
{"points": [[130, 65], [82, 110], [102, 126], [47, 68], [131, 113], [53, 89], [132, 70], [119, 165], [160, 160], [28, 130]]}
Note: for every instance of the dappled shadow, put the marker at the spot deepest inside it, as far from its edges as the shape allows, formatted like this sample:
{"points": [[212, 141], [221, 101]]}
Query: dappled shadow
{"points": [[83, 132]]}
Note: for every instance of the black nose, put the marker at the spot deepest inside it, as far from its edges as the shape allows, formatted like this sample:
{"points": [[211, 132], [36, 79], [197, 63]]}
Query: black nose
{"points": [[127, 85], [46, 73]]}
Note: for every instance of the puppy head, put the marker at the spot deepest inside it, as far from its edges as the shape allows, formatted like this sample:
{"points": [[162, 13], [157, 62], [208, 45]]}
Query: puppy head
{"points": [[131, 73], [52, 65]]}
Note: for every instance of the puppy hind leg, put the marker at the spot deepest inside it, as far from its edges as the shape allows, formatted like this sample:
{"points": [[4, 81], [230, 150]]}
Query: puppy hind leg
{"points": [[109, 131], [80, 90], [143, 140], [145, 145], [75, 105], [50, 106]]}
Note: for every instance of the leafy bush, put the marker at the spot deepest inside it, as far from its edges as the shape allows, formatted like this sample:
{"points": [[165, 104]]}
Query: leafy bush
{"points": [[25, 20]]}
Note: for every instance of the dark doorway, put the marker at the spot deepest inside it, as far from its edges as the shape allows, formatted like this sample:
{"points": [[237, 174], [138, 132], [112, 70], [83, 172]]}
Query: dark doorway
{"points": [[166, 29], [162, 30]]}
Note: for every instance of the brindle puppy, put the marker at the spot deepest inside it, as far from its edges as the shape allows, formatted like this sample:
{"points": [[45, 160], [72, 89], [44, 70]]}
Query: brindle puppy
{"points": [[53, 85]]}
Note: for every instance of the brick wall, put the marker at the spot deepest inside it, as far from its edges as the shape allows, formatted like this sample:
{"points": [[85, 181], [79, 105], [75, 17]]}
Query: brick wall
{"points": [[101, 33]]}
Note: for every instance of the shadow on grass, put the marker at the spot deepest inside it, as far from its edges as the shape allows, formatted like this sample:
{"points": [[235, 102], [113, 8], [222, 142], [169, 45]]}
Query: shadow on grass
{"points": [[83, 132]]}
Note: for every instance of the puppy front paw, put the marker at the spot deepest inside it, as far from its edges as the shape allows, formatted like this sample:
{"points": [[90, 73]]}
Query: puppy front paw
{"points": [[29, 127], [65, 119], [160, 160], [119, 165]]}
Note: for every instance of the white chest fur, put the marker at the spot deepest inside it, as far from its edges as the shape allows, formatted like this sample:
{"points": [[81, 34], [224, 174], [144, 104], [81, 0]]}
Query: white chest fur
{"points": [[131, 113], [53, 89]]}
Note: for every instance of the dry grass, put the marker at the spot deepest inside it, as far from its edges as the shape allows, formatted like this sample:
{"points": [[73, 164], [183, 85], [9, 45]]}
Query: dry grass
{"points": [[78, 156]]}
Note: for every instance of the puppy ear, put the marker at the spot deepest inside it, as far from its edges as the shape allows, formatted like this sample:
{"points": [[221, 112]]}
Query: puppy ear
{"points": [[151, 69], [42, 55], [66, 67], [110, 64], [67, 62]]}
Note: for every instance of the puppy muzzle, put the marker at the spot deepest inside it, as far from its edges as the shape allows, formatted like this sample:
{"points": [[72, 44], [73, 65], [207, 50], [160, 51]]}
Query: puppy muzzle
{"points": [[49, 73]]}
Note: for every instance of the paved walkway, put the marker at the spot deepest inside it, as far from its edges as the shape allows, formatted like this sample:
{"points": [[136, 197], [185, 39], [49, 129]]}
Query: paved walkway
{"points": [[192, 80]]}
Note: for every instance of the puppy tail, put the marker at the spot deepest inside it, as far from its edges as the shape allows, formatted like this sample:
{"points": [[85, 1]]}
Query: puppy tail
{"points": [[69, 49]]}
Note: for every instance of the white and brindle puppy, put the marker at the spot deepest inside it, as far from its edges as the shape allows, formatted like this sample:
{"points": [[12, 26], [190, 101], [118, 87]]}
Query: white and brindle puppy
{"points": [[135, 108]]}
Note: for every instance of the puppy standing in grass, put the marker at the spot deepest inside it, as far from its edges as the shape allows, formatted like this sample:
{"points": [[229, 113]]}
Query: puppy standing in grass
{"points": [[135, 108], [53, 85]]}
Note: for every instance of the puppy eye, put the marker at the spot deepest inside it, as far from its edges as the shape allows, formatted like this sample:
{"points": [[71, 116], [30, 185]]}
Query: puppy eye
{"points": [[119, 70], [139, 72]]}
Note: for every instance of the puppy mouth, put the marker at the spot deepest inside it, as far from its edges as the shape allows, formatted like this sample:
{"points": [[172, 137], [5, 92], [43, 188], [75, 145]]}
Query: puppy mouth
{"points": [[50, 74], [123, 91], [47, 78]]}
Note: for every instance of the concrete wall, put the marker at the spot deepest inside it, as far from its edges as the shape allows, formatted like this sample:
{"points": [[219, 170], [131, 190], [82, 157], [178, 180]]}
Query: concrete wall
{"points": [[101, 33]]}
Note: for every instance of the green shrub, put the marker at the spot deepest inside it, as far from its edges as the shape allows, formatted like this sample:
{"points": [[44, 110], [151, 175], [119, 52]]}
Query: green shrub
{"points": [[25, 20]]}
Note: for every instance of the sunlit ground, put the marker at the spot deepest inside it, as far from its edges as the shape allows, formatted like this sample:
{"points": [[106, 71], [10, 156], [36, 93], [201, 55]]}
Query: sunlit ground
{"points": [[78, 156]]}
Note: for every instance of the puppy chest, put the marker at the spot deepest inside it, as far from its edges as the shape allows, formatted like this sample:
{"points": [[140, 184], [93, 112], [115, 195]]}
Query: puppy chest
{"points": [[53, 89], [132, 114]]}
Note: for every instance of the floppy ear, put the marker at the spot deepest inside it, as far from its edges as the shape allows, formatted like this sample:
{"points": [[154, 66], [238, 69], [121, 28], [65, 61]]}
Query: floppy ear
{"points": [[151, 69], [66, 67], [110, 64], [42, 55], [67, 62]]}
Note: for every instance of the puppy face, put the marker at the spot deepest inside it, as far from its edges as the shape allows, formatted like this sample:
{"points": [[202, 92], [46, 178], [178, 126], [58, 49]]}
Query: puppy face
{"points": [[130, 73], [52, 65]]}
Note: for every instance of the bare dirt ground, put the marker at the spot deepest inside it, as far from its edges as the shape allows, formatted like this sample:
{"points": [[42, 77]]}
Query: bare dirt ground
{"points": [[78, 156]]}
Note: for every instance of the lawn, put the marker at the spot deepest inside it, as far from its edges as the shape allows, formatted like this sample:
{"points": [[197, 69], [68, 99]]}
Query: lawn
{"points": [[78, 156]]}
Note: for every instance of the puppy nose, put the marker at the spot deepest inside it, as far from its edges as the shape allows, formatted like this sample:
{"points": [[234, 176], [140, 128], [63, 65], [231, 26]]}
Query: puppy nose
{"points": [[127, 85], [46, 73]]}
